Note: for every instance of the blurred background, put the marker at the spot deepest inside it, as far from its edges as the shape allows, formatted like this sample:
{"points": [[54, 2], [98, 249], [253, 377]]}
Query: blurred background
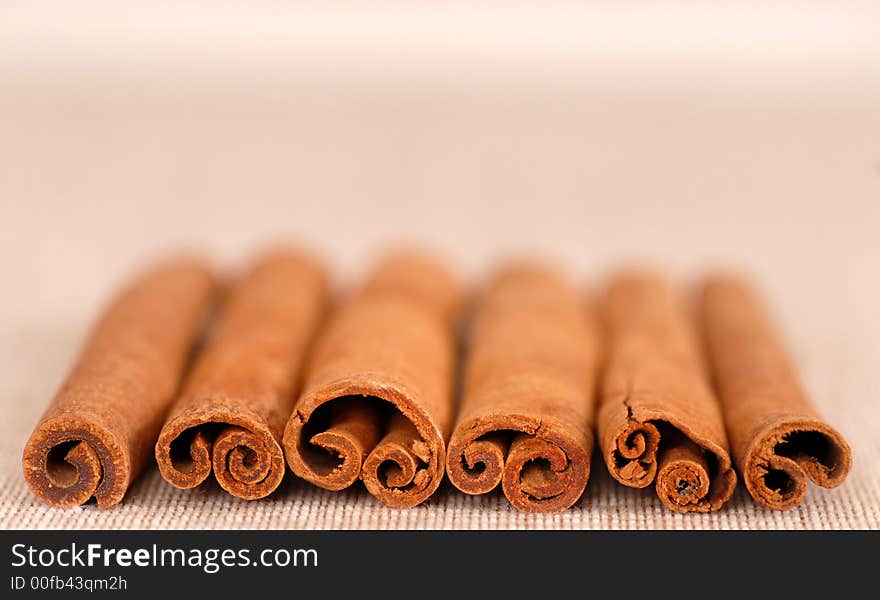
{"points": [[683, 134], [686, 135]]}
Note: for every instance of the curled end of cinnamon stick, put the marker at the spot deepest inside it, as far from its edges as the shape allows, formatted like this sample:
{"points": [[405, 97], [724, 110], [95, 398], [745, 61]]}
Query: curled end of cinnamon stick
{"points": [[788, 453], [477, 466], [690, 480], [539, 467], [357, 430], [68, 460], [688, 477], [633, 458], [334, 455], [659, 421], [779, 440], [245, 458]]}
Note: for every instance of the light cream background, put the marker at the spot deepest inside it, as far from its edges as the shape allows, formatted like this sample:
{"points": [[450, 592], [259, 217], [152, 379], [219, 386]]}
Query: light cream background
{"points": [[591, 136]]}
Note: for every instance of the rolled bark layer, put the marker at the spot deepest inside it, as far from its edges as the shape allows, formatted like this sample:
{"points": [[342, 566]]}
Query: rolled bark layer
{"points": [[230, 416], [778, 439], [377, 399], [527, 413], [97, 434], [658, 419]]}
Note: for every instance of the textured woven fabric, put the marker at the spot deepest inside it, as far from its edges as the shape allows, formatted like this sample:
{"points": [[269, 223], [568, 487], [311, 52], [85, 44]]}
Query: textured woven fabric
{"points": [[788, 190]]}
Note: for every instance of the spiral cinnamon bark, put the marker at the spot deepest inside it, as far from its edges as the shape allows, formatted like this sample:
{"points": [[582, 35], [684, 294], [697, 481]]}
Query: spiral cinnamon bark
{"points": [[658, 420], [230, 416], [377, 400], [96, 436], [527, 412], [779, 441]]}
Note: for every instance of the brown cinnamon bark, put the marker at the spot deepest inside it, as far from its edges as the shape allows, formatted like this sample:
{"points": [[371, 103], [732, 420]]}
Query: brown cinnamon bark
{"points": [[778, 438], [526, 419], [377, 401], [96, 435], [231, 414], [659, 421]]}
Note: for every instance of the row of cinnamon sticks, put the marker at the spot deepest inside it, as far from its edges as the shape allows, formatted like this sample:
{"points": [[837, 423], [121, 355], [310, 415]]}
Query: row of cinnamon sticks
{"points": [[366, 389]]}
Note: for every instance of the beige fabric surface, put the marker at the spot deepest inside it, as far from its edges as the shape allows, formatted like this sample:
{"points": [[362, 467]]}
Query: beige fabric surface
{"points": [[768, 161]]}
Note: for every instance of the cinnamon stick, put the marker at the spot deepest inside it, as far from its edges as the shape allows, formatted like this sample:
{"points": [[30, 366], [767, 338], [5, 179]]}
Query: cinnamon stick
{"points": [[231, 414], [527, 413], [96, 435], [659, 421], [377, 400], [778, 439]]}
